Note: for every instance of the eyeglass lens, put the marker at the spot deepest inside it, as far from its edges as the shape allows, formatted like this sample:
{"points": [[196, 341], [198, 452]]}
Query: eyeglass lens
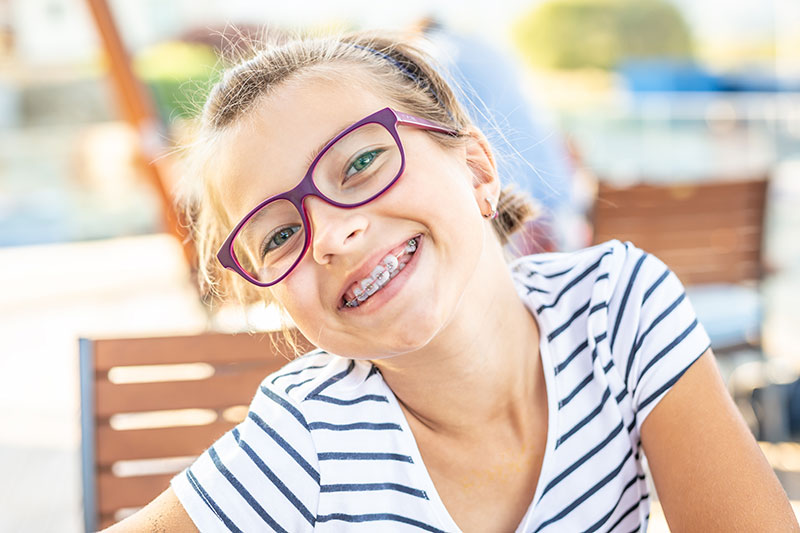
{"points": [[356, 168]]}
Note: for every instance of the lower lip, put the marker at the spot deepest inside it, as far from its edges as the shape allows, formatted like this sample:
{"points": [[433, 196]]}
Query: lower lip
{"points": [[392, 287]]}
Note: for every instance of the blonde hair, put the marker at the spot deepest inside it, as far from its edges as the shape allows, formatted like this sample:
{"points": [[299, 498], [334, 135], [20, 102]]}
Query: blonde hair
{"points": [[400, 70]]}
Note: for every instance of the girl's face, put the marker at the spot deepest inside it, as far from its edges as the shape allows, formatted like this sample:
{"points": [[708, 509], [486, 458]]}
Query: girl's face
{"points": [[437, 203]]}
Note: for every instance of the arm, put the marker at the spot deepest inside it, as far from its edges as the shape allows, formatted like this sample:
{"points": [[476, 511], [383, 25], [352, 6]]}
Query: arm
{"points": [[707, 468], [163, 514]]}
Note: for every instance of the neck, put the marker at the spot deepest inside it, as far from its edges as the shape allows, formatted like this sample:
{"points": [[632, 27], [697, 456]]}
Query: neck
{"points": [[481, 369]]}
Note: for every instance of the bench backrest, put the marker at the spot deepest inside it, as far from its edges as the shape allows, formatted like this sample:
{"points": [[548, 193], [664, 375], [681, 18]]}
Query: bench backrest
{"points": [[707, 232], [149, 405]]}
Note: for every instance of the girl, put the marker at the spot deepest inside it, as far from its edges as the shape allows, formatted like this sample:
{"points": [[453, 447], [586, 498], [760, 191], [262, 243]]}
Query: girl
{"points": [[344, 181]]}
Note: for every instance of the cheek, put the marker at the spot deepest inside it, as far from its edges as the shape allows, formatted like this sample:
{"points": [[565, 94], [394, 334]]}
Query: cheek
{"points": [[298, 296]]}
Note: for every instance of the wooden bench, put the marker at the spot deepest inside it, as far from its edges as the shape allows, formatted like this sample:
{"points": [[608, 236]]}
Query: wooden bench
{"points": [[710, 234], [149, 405], [706, 232]]}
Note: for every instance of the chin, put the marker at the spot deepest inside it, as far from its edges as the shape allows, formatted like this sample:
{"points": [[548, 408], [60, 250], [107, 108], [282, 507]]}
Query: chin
{"points": [[383, 343]]}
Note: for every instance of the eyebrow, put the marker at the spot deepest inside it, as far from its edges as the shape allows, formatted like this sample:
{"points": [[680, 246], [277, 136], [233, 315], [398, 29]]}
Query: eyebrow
{"points": [[315, 153]]}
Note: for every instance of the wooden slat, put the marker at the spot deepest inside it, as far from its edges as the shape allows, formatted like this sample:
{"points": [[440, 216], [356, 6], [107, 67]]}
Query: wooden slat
{"points": [[705, 232], [107, 520], [241, 362], [117, 492], [113, 445], [216, 392], [208, 348]]}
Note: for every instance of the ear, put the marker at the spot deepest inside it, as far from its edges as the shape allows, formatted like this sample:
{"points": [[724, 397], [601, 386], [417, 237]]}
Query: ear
{"points": [[486, 182]]}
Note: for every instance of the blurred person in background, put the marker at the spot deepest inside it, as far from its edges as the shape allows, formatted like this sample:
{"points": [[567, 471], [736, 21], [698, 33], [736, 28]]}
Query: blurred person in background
{"points": [[451, 391], [533, 153]]}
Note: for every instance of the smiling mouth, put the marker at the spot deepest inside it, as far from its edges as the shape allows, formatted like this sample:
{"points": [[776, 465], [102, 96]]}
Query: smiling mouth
{"points": [[385, 271]]}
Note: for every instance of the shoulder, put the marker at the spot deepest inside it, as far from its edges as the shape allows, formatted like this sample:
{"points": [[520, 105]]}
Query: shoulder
{"points": [[563, 280], [614, 263], [266, 470]]}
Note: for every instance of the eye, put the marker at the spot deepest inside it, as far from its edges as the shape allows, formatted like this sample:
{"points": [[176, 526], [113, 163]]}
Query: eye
{"points": [[279, 238], [361, 162]]}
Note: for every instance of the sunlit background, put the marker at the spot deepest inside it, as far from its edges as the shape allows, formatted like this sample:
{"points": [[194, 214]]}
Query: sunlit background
{"points": [[630, 91]]}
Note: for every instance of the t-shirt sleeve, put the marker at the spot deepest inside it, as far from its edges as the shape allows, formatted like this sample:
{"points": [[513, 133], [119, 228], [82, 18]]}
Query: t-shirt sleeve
{"points": [[262, 475], [655, 334]]}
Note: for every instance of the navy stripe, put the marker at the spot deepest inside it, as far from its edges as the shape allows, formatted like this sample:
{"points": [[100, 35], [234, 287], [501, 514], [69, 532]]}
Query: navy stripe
{"points": [[211, 503], [630, 510], [293, 385], [654, 286], [599, 523], [574, 466], [576, 390], [372, 371], [305, 465], [333, 379], [640, 340], [669, 347], [362, 487], [557, 274], [626, 294], [376, 517], [585, 344], [243, 492], [278, 483], [364, 456], [355, 425], [598, 307], [561, 366], [235, 433], [583, 497], [669, 383], [276, 378], [339, 401], [586, 420], [535, 289], [574, 282], [608, 367], [621, 395], [563, 327], [286, 405]]}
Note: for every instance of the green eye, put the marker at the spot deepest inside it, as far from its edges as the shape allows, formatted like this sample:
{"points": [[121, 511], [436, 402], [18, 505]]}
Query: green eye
{"points": [[279, 238], [362, 161]]}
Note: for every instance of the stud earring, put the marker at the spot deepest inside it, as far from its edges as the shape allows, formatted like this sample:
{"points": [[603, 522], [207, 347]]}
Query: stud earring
{"points": [[493, 210]]}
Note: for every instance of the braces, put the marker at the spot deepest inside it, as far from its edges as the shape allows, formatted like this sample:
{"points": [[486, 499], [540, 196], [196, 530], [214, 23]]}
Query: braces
{"points": [[411, 247]]}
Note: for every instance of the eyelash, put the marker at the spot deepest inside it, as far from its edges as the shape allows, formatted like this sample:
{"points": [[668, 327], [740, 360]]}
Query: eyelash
{"points": [[265, 247]]}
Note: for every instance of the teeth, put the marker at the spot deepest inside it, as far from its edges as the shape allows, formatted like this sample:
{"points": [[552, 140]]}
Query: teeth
{"points": [[390, 262], [388, 268]]}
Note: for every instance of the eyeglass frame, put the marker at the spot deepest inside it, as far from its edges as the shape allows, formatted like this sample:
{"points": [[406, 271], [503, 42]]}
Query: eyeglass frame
{"points": [[386, 117]]}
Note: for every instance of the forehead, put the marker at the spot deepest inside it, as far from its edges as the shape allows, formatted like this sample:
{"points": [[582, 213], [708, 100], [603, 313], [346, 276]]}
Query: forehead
{"points": [[267, 152]]}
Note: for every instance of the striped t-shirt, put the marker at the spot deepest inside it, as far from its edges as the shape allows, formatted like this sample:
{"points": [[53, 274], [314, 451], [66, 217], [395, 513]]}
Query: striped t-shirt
{"points": [[325, 445]]}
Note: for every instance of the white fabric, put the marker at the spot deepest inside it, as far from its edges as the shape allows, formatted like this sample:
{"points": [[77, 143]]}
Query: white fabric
{"points": [[326, 447]]}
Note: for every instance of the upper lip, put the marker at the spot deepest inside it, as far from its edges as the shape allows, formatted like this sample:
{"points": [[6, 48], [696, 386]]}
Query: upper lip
{"points": [[368, 266]]}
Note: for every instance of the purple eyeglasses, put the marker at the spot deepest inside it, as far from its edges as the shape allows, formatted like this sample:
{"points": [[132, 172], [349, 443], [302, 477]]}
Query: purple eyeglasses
{"points": [[354, 168]]}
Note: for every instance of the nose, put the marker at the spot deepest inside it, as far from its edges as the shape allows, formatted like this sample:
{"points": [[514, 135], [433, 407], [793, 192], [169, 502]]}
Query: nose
{"points": [[334, 230]]}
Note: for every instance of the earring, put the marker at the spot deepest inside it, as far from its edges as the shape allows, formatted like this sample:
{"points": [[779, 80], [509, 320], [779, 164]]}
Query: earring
{"points": [[493, 210]]}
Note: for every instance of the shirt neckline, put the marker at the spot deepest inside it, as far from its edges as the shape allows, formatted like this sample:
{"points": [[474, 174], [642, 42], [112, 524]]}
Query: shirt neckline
{"points": [[420, 471]]}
